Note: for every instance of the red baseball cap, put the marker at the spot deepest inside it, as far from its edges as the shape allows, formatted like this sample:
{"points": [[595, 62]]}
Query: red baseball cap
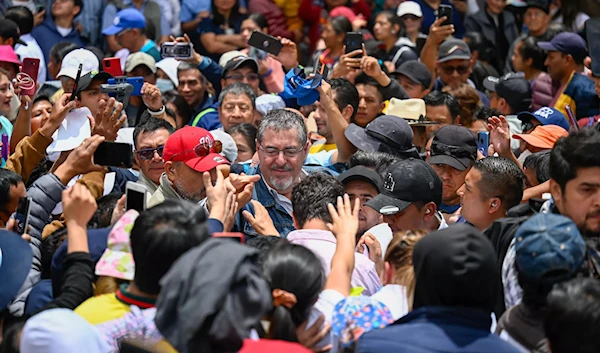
{"points": [[194, 146]]}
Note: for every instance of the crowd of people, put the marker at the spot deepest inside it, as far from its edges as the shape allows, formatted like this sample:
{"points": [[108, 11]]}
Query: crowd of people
{"points": [[436, 188]]}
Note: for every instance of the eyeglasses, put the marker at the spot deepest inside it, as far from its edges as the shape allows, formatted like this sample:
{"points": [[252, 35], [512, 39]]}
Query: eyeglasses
{"points": [[123, 32], [527, 126], [287, 152], [449, 70], [202, 150], [148, 153], [240, 77]]}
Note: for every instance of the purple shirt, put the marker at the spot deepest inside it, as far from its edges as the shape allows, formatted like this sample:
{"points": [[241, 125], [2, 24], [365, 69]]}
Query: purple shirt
{"points": [[323, 244]]}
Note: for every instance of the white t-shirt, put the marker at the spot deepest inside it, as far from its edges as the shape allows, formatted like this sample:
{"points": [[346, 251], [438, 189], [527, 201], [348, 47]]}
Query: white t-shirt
{"points": [[64, 31]]}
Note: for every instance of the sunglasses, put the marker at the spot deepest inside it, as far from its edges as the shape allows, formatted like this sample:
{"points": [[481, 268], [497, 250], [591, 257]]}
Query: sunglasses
{"points": [[528, 126], [240, 77], [148, 153], [449, 70], [201, 150]]}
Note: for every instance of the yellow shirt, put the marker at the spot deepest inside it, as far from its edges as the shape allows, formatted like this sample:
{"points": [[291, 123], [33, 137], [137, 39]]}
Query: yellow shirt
{"points": [[322, 147], [102, 308]]}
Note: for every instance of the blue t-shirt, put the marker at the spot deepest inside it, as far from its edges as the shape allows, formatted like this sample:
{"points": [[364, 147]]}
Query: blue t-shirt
{"points": [[151, 49], [191, 8], [429, 16], [208, 26]]}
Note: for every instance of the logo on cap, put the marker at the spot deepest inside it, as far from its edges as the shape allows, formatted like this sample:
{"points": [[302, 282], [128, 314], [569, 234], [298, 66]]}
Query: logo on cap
{"points": [[116, 21], [389, 183], [218, 160], [453, 49], [545, 112]]}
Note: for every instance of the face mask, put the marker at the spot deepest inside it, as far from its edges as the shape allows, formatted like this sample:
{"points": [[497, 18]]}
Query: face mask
{"points": [[164, 85]]}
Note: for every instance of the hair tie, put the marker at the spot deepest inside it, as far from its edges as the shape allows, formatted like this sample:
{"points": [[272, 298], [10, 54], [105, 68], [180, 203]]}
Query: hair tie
{"points": [[281, 297]]}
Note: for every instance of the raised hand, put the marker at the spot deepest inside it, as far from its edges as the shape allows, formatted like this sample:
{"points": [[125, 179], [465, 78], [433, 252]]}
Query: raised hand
{"points": [[151, 96], [439, 33], [347, 63], [78, 205], [59, 112], [260, 221], [288, 56], [109, 119], [345, 217], [80, 160], [500, 135]]}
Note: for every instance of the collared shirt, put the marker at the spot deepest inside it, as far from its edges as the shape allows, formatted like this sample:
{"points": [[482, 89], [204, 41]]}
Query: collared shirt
{"points": [[281, 199], [323, 244], [442, 221], [111, 306], [32, 50]]}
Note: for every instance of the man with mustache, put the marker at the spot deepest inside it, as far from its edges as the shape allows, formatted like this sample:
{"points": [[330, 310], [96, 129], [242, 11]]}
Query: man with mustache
{"points": [[575, 189], [282, 145]]}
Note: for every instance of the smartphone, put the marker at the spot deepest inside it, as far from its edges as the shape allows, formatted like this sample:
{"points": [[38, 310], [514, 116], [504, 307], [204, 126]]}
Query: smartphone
{"points": [[445, 11], [30, 68], [136, 196], [592, 32], [420, 44], [136, 82], [76, 84], [265, 42], [177, 50], [5, 147], [22, 214], [113, 154], [354, 41], [571, 117], [237, 237], [483, 142], [112, 66], [321, 69]]}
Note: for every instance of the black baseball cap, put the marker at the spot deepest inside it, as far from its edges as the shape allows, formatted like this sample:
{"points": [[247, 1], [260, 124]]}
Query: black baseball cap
{"points": [[86, 80], [416, 71], [454, 49], [543, 5], [238, 62], [455, 146], [512, 87], [360, 172], [410, 180], [9, 29], [386, 133]]}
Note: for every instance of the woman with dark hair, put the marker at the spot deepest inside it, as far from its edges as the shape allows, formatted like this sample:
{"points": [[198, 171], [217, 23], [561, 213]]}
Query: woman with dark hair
{"points": [[388, 29], [529, 59], [572, 13], [183, 113], [482, 53], [296, 278], [334, 37], [220, 33], [269, 69], [314, 15], [244, 136]]}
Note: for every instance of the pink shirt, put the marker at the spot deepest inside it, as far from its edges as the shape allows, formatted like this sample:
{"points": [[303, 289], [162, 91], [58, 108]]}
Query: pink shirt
{"points": [[274, 81], [323, 244]]}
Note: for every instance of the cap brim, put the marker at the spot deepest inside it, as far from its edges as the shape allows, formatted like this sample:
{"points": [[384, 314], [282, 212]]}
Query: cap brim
{"points": [[408, 75], [456, 163], [362, 175], [21, 42], [204, 164], [359, 138], [489, 85], [380, 201], [547, 46], [533, 140], [421, 122], [16, 262], [112, 30], [69, 72], [454, 57]]}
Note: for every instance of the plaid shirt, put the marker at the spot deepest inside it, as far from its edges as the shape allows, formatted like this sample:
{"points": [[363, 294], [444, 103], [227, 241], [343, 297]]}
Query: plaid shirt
{"points": [[138, 324]]}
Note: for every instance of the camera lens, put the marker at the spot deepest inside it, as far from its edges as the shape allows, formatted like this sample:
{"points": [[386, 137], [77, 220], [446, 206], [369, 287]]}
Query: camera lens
{"points": [[266, 44]]}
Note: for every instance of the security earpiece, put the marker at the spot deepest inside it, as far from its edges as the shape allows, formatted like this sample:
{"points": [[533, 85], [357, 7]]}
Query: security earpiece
{"points": [[428, 211], [493, 204]]}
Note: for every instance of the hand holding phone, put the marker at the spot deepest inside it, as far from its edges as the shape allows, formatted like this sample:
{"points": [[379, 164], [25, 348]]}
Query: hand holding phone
{"points": [[22, 214], [483, 142], [177, 50], [27, 78], [136, 196], [265, 43], [112, 66], [354, 41], [445, 11]]}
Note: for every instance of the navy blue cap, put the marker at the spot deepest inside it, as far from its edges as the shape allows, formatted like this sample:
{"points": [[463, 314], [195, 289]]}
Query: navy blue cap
{"points": [[15, 262], [548, 247], [126, 19], [546, 116], [567, 43]]}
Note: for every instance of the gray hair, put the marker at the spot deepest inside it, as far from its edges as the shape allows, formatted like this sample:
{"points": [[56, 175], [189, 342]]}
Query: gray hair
{"points": [[238, 89], [283, 120]]}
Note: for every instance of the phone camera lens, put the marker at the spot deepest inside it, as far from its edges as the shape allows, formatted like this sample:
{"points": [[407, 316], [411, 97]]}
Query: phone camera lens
{"points": [[266, 44]]}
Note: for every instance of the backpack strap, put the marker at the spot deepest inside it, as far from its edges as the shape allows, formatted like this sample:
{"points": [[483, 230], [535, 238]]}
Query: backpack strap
{"points": [[201, 114]]}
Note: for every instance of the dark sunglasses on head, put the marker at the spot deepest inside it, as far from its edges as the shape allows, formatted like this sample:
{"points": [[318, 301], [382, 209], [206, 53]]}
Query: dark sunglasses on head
{"points": [[240, 77], [202, 150], [449, 70], [148, 153]]}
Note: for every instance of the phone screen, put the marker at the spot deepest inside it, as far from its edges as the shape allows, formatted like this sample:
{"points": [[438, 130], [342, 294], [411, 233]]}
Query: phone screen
{"points": [[592, 31], [135, 200], [22, 214], [113, 154]]}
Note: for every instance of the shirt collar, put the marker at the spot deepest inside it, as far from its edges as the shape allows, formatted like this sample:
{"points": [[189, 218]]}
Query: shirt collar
{"points": [[131, 299]]}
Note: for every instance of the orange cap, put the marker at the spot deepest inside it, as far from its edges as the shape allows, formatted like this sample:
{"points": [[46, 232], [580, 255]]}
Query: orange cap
{"points": [[544, 136]]}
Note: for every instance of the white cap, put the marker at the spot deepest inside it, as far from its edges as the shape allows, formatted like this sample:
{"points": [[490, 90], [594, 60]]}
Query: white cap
{"points": [[229, 150], [140, 58], [169, 66], [268, 102], [409, 8], [71, 61], [228, 56]]}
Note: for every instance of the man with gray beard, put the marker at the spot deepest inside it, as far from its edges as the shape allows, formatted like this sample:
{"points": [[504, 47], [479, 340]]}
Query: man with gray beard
{"points": [[282, 145]]}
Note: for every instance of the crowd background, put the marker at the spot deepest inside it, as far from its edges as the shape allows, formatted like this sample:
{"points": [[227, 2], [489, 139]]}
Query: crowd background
{"points": [[436, 190]]}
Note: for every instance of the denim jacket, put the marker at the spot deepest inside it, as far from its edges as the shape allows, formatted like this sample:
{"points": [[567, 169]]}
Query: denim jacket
{"points": [[281, 218]]}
